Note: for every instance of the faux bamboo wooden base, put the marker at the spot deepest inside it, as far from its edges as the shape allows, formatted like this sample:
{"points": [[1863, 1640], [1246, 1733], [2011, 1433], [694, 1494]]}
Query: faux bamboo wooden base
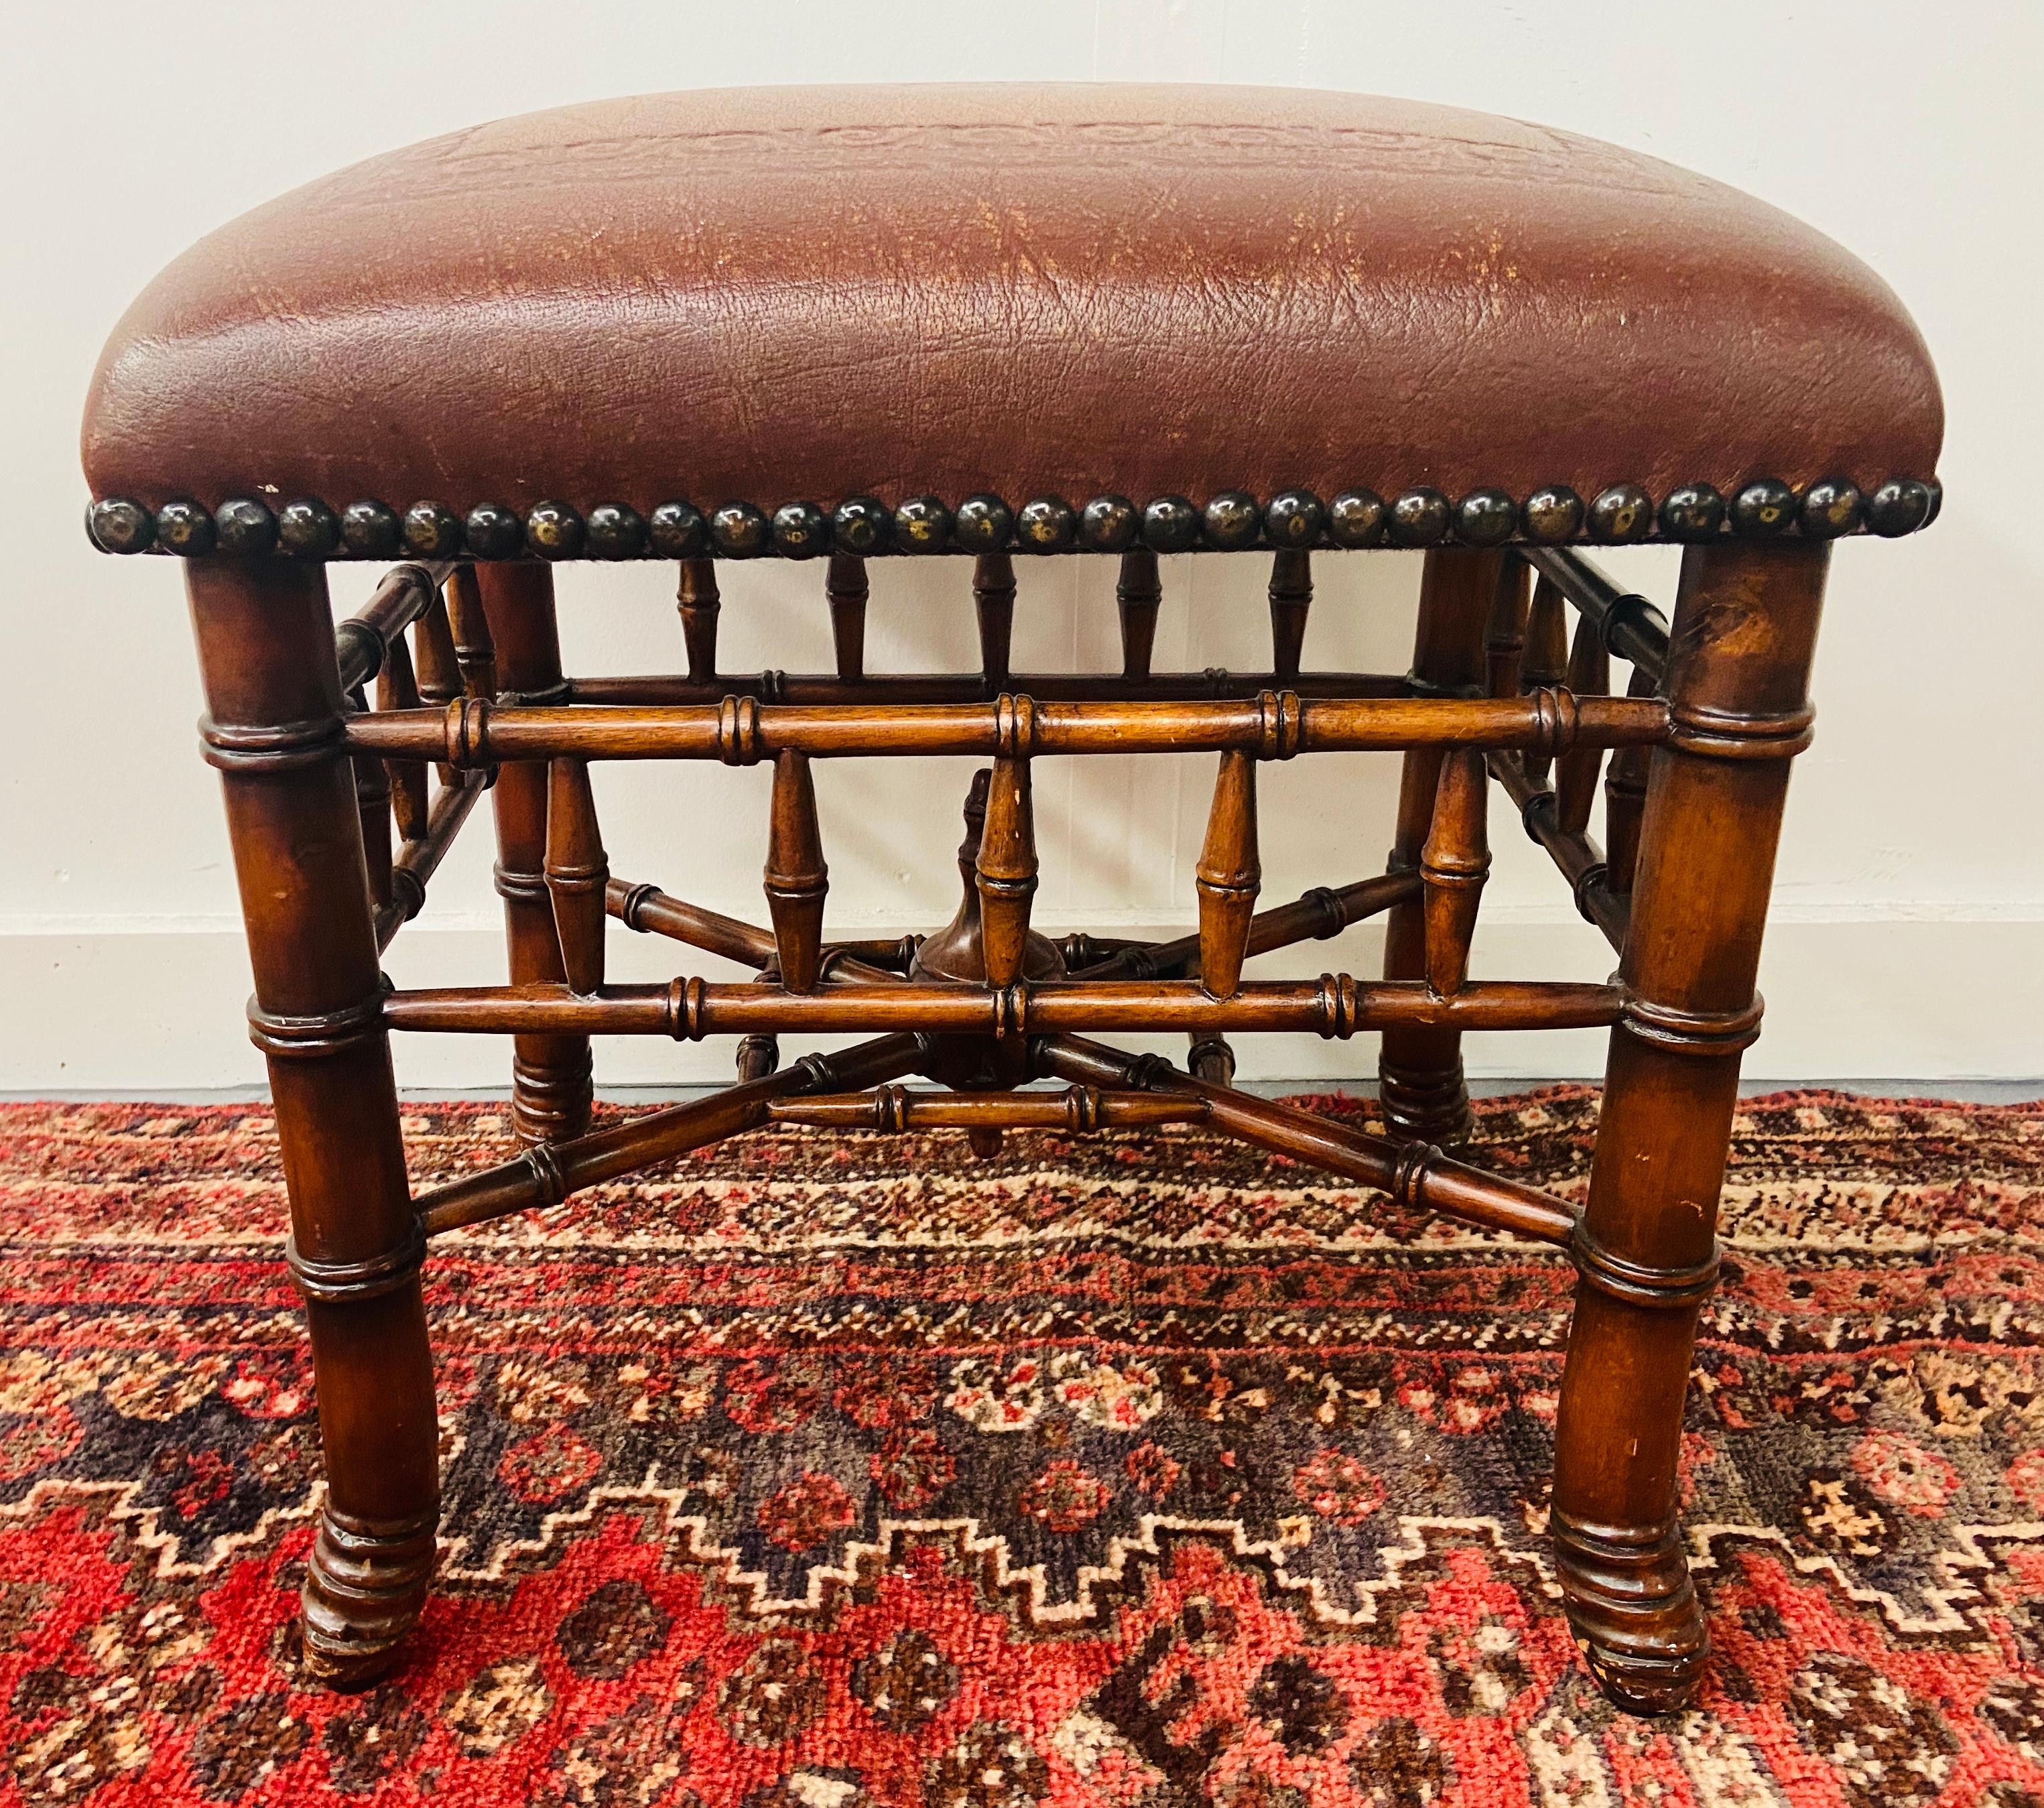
{"points": [[343, 803]]}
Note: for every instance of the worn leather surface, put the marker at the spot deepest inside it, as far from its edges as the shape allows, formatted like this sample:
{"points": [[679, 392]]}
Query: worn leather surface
{"points": [[774, 294]]}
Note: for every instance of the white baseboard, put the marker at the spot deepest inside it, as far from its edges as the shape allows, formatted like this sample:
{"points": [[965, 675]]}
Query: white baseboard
{"points": [[1920, 1000]]}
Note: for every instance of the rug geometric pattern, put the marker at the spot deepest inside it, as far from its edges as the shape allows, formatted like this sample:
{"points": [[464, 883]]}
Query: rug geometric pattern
{"points": [[1123, 1471]]}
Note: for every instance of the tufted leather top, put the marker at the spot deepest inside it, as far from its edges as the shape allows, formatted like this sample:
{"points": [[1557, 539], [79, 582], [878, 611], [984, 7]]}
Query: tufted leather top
{"points": [[774, 294]]}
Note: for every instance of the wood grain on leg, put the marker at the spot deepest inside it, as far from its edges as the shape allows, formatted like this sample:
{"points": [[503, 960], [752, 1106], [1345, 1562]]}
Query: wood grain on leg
{"points": [[273, 728], [1646, 1246]]}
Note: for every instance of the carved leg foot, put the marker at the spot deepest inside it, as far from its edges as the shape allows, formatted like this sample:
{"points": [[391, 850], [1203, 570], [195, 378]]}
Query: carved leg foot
{"points": [[1633, 1611], [365, 1587]]}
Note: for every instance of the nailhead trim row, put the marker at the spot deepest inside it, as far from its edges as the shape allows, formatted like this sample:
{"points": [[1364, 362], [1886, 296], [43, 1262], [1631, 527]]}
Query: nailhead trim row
{"points": [[1624, 514]]}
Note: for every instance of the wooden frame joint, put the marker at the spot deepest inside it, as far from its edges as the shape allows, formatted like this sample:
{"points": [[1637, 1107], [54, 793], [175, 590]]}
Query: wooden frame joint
{"points": [[1637, 1283], [1710, 1034], [282, 1037], [350, 1283], [277, 746], [1719, 734]]}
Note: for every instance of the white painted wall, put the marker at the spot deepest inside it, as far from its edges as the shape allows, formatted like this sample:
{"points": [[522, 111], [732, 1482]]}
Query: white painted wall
{"points": [[1909, 938]]}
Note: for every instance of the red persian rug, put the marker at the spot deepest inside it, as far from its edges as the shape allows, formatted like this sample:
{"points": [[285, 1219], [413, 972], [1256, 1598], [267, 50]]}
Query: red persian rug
{"points": [[825, 1473]]}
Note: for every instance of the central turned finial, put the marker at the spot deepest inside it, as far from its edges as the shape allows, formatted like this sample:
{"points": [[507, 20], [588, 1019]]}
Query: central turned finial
{"points": [[956, 952]]}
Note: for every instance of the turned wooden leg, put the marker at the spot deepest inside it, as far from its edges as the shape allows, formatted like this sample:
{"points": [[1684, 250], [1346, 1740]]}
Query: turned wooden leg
{"points": [[550, 1075], [1646, 1246], [1420, 1071], [273, 727]]}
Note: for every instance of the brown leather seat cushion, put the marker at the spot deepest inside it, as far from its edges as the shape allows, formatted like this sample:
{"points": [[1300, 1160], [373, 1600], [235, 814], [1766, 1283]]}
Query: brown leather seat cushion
{"points": [[772, 294]]}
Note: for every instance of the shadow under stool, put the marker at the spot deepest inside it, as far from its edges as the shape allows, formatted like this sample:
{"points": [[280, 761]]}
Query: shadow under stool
{"points": [[854, 325]]}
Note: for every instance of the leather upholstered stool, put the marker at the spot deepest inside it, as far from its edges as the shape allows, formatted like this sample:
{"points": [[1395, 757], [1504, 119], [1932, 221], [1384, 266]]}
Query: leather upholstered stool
{"points": [[853, 325]]}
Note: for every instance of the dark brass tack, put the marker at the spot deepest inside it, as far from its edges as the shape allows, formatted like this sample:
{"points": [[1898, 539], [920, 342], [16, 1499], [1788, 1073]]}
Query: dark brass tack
{"points": [[1486, 518], [553, 530], [677, 530], [186, 527], [1831, 507], [306, 528], [432, 531], [1108, 524], [1621, 514], [244, 527], [120, 524], [1420, 517], [494, 531], [1763, 508], [1170, 523], [801, 530], [1899, 506], [922, 525], [1357, 517], [1046, 523], [862, 526], [1692, 512], [371, 530], [738, 531], [983, 524], [1230, 521], [1295, 518], [1553, 513], [614, 529]]}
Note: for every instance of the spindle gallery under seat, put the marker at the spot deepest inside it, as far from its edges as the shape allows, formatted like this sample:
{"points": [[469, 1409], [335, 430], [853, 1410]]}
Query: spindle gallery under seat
{"points": [[997, 322]]}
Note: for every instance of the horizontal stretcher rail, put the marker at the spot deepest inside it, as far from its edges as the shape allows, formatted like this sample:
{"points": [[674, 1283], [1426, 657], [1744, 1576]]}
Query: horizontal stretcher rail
{"points": [[1633, 628], [1416, 1175], [1214, 684], [472, 732], [648, 909], [1321, 913], [362, 643], [1078, 1109], [1577, 856], [546, 1174], [1334, 1005], [417, 860]]}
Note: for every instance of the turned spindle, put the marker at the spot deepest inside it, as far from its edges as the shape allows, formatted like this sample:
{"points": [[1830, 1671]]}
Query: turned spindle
{"points": [[576, 871], [1005, 871], [372, 804], [757, 1056], [411, 795], [435, 670], [1291, 601], [1230, 875], [696, 598], [1504, 636], [796, 878], [1546, 662], [1625, 801], [993, 601], [1575, 771], [1210, 1058], [475, 647], [1138, 595], [846, 589], [1453, 866]]}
